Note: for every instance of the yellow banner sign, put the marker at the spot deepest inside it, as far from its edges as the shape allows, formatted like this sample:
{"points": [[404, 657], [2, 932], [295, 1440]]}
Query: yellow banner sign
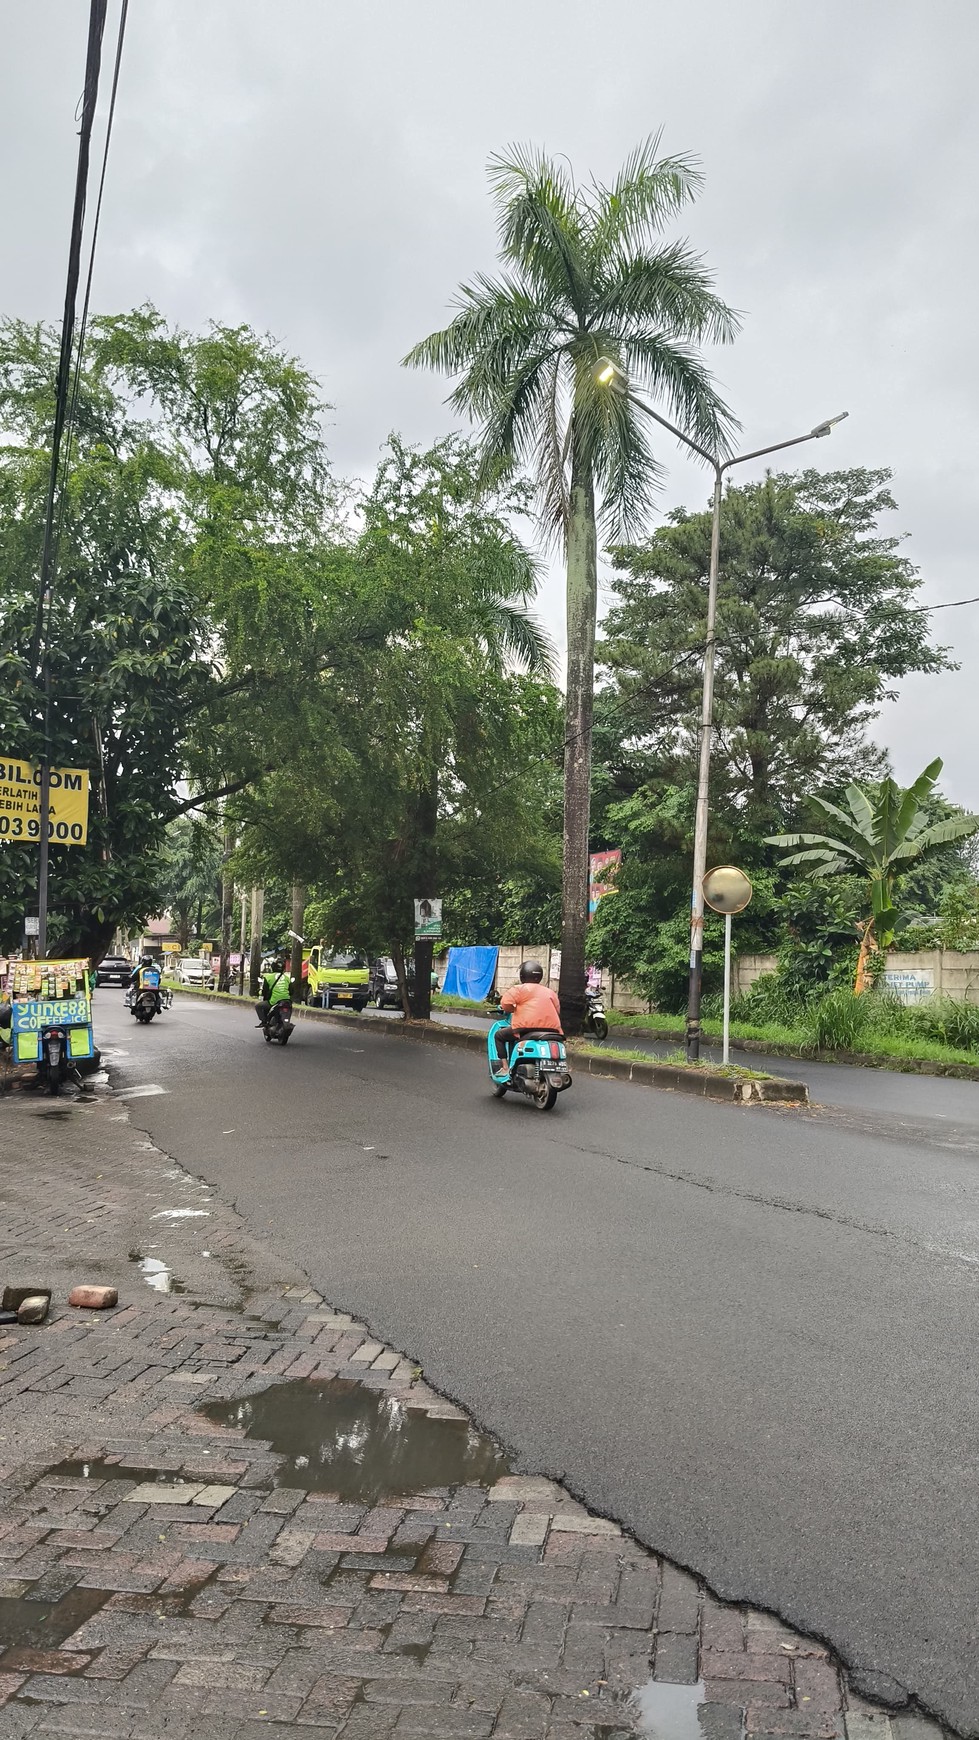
{"points": [[20, 804]]}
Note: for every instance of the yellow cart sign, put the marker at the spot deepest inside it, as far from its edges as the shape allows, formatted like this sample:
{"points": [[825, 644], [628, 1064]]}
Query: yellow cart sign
{"points": [[20, 804]]}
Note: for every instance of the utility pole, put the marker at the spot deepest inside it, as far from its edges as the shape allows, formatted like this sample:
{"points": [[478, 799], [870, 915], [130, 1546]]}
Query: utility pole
{"points": [[298, 916], [241, 944], [227, 912], [255, 956]]}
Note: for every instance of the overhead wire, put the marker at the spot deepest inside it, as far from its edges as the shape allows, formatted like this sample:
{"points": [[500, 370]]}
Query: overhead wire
{"points": [[93, 62]]}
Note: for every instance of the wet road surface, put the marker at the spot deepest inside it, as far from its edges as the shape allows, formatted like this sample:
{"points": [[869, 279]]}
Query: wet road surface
{"points": [[749, 1334]]}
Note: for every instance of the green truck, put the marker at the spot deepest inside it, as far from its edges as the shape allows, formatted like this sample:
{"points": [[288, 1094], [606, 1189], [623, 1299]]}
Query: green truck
{"points": [[336, 978]]}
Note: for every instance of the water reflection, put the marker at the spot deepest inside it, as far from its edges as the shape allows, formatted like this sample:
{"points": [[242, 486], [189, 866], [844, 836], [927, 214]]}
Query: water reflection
{"points": [[339, 1437], [670, 1712]]}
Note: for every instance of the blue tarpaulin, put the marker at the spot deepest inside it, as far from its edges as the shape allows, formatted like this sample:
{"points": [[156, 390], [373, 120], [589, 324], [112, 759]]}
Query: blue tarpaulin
{"points": [[470, 973]]}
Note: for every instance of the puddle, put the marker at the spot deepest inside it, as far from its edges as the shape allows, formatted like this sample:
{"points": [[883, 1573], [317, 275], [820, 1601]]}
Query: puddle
{"points": [[156, 1275], [99, 1469], [181, 1214], [45, 1624], [339, 1437], [669, 1712]]}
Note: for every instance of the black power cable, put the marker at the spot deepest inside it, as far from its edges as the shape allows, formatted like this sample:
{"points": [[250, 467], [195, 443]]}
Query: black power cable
{"points": [[93, 65]]}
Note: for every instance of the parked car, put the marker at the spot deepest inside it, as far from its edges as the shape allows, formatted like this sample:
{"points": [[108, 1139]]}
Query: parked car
{"points": [[195, 972], [114, 970], [384, 982]]}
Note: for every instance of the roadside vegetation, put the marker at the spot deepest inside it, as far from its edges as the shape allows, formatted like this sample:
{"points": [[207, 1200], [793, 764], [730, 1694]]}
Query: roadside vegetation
{"points": [[339, 696]]}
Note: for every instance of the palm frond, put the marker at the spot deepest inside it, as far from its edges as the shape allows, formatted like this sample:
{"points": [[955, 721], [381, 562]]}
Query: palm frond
{"points": [[540, 226], [495, 315], [673, 372], [625, 467], [552, 461], [522, 639], [646, 194], [670, 290]]}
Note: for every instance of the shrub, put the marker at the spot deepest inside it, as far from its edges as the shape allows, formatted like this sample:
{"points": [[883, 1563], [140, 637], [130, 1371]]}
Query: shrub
{"points": [[770, 1001], [837, 1021], [948, 1022]]}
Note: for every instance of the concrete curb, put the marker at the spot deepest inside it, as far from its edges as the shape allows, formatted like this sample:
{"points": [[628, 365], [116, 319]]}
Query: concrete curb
{"points": [[703, 1082]]}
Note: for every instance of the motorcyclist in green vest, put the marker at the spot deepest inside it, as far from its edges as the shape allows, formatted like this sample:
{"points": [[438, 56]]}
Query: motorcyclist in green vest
{"points": [[276, 988]]}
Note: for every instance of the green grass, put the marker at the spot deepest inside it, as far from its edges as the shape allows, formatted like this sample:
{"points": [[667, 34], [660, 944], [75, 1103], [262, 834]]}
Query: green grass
{"points": [[675, 1060], [794, 1041], [465, 1005]]}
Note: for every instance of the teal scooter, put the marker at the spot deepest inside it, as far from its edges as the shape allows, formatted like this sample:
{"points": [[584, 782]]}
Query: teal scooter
{"points": [[537, 1066]]}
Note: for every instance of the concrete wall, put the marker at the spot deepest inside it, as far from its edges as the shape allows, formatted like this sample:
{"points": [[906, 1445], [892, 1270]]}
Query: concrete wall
{"points": [[945, 973]]}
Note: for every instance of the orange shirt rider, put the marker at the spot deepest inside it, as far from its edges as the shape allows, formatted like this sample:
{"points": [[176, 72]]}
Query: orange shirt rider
{"points": [[531, 1005]]}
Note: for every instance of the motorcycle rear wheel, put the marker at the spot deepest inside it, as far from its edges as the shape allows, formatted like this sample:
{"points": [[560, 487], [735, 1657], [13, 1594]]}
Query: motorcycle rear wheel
{"points": [[545, 1097]]}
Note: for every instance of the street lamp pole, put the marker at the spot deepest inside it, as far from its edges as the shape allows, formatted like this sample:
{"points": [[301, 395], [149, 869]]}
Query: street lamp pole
{"points": [[608, 373]]}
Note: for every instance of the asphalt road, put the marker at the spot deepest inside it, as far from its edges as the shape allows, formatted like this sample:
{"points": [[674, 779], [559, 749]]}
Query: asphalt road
{"points": [[749, 1334], [943, 1107]]}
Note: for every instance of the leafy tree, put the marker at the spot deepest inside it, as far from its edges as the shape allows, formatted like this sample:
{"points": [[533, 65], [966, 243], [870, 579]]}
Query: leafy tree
{"points": [[190, 873], [432, 782], [585, 275], [883, 832], [198, 585], [816, 623]]}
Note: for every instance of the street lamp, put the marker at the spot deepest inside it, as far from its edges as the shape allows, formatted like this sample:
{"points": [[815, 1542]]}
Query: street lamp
{"points": [[609, 374]]}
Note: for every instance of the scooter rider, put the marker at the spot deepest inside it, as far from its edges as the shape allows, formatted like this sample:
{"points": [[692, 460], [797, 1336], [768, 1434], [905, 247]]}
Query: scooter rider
{"points": [[145, 960], [276, 988], [531, 1005]]}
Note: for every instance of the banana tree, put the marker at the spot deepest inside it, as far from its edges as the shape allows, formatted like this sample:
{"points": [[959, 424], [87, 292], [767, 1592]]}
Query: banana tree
{"points": [[885, 833]]}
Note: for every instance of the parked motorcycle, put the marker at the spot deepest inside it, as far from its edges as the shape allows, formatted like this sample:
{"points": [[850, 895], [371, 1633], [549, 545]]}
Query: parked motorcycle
{"points": [[596, 1020], [278, 1024], [537, 1066], [54, 1065]]}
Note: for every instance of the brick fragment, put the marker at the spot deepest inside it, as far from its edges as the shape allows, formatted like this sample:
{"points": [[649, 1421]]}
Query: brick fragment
{"points": [[93, 1298]]}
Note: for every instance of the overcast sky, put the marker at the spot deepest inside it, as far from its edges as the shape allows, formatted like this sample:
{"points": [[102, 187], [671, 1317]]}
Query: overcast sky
{"points": [[318, 169]]}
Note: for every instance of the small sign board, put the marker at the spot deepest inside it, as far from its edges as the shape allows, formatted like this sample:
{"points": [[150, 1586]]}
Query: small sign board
{"points": [[909, 984], [428, 918], [32, 925], [603, 868]]}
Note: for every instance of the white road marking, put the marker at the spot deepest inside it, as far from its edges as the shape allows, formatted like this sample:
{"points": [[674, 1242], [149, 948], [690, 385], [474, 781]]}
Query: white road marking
{"points": [[139, 1093], [181, 1214]]}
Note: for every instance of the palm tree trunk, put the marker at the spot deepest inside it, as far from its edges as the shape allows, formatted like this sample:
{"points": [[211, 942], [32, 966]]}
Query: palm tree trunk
{"points": [[579, 706]]}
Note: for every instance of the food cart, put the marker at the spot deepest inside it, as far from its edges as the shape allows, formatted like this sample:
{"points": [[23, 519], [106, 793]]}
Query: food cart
{"points": [[47, 999]]}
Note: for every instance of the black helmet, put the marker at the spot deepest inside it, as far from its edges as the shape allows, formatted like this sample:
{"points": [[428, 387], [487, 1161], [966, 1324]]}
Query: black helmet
{"points": [[531, 972]]}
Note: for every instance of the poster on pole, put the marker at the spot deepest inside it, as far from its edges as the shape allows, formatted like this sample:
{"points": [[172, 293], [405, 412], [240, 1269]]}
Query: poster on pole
{"points": [[20, 804], [602, 870], [428, 919]]}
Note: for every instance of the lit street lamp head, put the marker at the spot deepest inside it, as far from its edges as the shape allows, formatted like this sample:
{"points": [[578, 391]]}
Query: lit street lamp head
{"points": [[830, 423], [609, 374]]}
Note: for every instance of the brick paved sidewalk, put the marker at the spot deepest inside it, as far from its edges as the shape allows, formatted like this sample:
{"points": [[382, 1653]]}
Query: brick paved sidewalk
{"points": [[179, 1588]]}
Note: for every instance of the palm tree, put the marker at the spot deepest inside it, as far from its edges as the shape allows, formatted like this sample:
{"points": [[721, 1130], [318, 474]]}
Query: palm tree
{"points": [[885, 833], [585, 275]]}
